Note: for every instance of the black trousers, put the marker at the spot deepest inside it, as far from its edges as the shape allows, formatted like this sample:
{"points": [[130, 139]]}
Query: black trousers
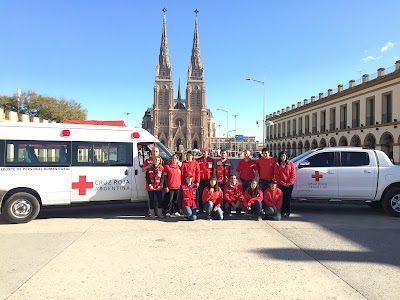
{"points": [[287, 198], [202, 185], [170, 203]]}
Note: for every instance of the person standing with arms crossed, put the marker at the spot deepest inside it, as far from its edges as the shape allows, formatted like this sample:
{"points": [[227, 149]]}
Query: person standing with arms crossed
{"points": [[206, 165], [265, 166], [285, 175], [246, 170]]}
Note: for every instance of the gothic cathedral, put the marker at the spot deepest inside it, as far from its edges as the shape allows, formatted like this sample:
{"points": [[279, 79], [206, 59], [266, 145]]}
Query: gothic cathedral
{"points": [[180, 123]]}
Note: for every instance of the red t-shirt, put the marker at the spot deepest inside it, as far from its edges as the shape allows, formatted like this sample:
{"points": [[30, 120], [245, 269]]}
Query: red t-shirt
{"points": [[266, 168], [246, 169]]}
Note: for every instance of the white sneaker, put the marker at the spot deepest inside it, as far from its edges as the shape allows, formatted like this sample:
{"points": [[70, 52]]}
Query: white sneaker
{"points": [[167, 215], [177, 214]]}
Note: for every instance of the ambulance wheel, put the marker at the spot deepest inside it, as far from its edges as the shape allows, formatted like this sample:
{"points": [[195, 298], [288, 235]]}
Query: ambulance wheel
{"points": [[21, 208], [391, 202]]}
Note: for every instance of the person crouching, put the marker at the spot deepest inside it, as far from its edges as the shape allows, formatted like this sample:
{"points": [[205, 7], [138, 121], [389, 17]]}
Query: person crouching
{"points": [[273, 201], [187, 198], [212, 199], [252, 200]]}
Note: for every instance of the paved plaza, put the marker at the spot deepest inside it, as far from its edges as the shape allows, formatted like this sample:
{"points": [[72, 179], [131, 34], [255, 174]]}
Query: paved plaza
{"points": [[323, 251]]}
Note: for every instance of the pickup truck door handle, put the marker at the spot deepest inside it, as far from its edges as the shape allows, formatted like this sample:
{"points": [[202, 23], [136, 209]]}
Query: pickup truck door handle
{"points": [[367, 172], [331, 172]]}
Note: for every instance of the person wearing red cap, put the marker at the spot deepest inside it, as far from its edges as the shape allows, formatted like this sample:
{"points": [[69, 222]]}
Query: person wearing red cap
{"points": [[246, 170], [206, 165], [187, 198], [212, 199]]}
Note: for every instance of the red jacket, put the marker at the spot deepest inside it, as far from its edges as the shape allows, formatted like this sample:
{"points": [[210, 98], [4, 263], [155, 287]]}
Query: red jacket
{"points": [[250, 200], [285, 174], [206, 167], [187, 195], [233, 193], [266, 168], [215, 197], [273, 198], [173, 176], [246, 169], [222, 171], [193, 167], [155, 177]]}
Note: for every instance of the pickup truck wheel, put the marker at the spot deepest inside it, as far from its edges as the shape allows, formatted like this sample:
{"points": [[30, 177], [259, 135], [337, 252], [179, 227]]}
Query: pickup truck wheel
{"points": [[391, 202], [21, 208]]}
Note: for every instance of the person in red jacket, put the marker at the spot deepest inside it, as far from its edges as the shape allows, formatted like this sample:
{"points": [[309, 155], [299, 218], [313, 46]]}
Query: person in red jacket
{"points": [[273, 201], [187, 198], [265, 166], [246, 170], [233, 195], [155, 152], [172, 174], [222, 171], [154, 186], [192, 166], [206, 165], [252, 200], [285, 175], [212, 199]]}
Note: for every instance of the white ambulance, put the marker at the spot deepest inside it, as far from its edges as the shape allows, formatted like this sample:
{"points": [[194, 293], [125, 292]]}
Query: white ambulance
{"points": [[60, 164]]}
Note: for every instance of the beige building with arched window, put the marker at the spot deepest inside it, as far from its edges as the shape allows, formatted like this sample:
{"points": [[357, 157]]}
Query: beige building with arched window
{"points": [[363, 113]]}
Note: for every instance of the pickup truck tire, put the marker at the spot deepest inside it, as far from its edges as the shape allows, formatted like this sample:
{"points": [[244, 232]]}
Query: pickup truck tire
{"points": [[391, 202], [21, 208]]}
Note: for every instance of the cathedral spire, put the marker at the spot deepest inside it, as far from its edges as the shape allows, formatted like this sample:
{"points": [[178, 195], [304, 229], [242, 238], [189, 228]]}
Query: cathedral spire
{"points": [[179, 89], [164, 68], [196, 68]]}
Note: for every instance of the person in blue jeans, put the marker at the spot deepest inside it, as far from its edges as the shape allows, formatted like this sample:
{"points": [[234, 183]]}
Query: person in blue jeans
{"points": [[212, 199], [273, 201], [187, 198]]}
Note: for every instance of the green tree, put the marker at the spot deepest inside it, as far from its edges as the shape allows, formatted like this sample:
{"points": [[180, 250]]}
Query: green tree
{"points": [[44, 107]]}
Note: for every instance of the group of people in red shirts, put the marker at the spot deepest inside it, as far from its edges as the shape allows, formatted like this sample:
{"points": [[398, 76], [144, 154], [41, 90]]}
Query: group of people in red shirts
{"points": [[260, 187]]}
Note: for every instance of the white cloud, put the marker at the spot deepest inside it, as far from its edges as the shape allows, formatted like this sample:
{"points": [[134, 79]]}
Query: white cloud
{"points": [[368, 58], [388, 46]]}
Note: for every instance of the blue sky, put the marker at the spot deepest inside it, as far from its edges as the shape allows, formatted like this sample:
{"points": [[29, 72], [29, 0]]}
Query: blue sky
{"points": [[103, 54]]}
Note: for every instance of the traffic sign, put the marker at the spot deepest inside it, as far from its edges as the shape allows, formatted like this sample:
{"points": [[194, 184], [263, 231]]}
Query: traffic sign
{"points": [[239, 137]]}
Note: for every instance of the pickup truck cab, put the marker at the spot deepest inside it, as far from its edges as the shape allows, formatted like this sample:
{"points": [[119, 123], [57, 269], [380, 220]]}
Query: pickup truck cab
{"points": [[348, 173]]}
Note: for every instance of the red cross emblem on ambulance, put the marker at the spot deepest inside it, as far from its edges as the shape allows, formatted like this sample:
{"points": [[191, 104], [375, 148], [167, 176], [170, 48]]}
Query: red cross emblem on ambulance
{"points": [[82, 185], [317, 176]]}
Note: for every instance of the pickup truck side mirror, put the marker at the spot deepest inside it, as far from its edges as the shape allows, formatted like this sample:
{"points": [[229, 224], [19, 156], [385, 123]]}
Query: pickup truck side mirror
{"points": [[304, 164]]}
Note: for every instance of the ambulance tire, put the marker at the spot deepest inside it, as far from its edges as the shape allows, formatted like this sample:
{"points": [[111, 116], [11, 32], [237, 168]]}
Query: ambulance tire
{"points": [[21, 208], [391, 202]]}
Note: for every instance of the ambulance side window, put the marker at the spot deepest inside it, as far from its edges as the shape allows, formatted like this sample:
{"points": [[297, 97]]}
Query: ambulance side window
{"points": [[326, 159], [102, 154]]}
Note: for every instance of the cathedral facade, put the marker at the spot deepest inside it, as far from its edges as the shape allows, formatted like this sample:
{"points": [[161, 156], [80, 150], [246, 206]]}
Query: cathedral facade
{"points": [[180, 123]]}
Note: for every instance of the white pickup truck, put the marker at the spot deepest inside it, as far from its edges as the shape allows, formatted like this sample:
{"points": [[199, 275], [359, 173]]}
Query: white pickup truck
{"points": [[348, 173]]}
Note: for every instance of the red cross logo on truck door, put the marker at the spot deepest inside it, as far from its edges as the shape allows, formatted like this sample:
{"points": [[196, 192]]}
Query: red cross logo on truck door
{"points": [[82, 185], [317, 176]]}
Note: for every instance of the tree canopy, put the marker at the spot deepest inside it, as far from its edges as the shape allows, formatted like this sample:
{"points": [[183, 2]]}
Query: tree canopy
{"points": [[44, 107]]}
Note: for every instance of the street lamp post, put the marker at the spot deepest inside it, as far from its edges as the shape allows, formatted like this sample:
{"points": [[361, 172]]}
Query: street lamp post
{"points": [[226, 121], [265, 96], [19, 99], [235, 133], [127, 118]]}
